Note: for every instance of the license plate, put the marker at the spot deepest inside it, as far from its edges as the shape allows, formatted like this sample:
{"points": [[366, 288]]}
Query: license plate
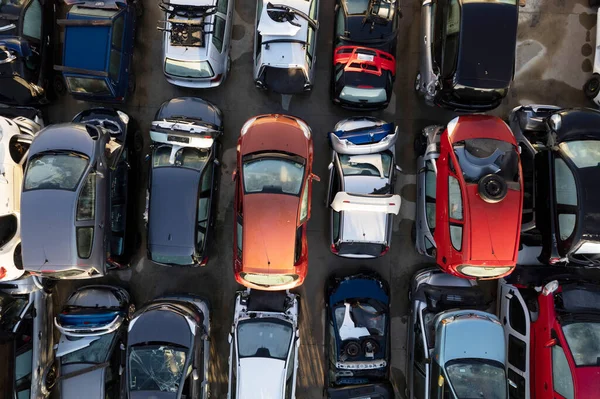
{"points": [[365, 57], [179, 139]]}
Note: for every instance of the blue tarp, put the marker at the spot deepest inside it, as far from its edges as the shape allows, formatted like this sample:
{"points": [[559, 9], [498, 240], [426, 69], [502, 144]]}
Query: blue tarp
{"points": [[366, 135]]}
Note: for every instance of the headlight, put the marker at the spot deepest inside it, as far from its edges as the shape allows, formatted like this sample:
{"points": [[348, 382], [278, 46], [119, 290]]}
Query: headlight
{"points": [[304, 128], [247, 125], [123, 116]]}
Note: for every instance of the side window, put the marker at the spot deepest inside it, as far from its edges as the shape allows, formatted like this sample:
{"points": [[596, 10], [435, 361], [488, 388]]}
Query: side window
{"points": [[336, 226], [519, 391], [310, 47], [258, 36], [562, 380], [218, 33], [340, 23], [305, 200], [312, 12], [435, 390], [456, 232], [454, 199], [298, 244], [566, 198], [517, 352], [86, 203], [430, 195], [239, 235], [451, 38], [204, 203], [222, 6], [419, 349], [516, 316], [32, 20], [117, 44]]}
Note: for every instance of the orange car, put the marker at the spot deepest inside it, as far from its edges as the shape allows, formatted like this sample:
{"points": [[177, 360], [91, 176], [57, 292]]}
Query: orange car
{"points": [[273, 185]]}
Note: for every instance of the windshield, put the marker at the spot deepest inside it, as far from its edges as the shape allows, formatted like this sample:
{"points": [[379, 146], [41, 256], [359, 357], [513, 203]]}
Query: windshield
{"points": [[55, 171], [97, 352], [480, 157], [584, 342], [355, 94], [366, 165], [474, 379], [185, 260], [366, 317], [156, 368], [188, 69], [87, 85], [186, 157], [584, 153], [10, 310], [263, 338], [273, 175]]}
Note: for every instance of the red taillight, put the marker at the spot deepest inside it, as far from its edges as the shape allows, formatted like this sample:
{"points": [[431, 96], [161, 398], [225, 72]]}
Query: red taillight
{"points": [[392, 204], [553, 261], [204, 261], [334, 249], [346, 202], [216, 78], [385, 250], [2, 272]]}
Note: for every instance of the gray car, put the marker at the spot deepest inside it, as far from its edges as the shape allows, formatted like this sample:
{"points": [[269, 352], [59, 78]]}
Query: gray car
{"points": [[89, 354], [168, 349], [360, 196], [196, 41], [455, 351], [26, 339], [75, 197]]}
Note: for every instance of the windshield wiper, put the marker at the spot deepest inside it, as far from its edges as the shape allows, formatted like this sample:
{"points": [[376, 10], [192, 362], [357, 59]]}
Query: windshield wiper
{"points": [[293, 11]]}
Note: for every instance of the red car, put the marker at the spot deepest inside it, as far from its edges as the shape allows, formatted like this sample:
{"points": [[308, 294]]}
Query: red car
{"points": [[553, 339], [273, 185], [479, 198]]}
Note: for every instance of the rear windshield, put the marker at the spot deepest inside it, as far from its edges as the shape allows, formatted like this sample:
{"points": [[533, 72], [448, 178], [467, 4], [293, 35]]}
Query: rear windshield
{"points": [[366, 165], [188, 69], [480, 157], [55, 171], [87, 85], [257, 338], [360, 248]]}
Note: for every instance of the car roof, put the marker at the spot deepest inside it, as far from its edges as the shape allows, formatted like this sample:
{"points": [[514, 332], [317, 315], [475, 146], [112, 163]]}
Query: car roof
{"points": [[67, 136], [261, 377], [266, 133], [269, 233], [578, 124], [148, 326], [172, 217], [487, 47], [91, 382]]}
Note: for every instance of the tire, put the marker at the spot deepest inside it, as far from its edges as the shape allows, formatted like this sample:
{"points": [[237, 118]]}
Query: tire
{"points": [[492, 188], [59, 86], [592, 86]]}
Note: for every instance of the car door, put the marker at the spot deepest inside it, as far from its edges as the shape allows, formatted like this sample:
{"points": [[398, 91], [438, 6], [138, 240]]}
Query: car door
{"points": [[419, 360], [566, 204], [514, 314], [32, 30]]}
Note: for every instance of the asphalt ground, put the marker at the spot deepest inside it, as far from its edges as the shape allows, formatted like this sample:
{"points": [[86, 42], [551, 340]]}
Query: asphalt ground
{"points": [[554, 59]]}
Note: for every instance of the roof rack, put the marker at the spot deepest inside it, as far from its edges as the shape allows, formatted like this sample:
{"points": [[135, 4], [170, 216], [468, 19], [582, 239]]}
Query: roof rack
{"points": [[187, 23]]}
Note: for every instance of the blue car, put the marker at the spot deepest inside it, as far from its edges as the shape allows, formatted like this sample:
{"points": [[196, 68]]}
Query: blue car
{"points": [[357, 337], [98, 49]]}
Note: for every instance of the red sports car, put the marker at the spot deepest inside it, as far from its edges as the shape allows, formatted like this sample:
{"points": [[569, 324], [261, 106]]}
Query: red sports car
{"points": [[273, 185], [479, 198]]}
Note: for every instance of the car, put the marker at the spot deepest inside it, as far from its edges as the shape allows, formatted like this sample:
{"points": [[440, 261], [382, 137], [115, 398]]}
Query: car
{"points": [[26, 51], [357, 336], [184, 160], [16, 134], [273, 187], [361, 198], [285, 45], [563, 149], [26, 340], [78, 180], [264, 344], [168, 349], [197, 41], [468, 52], [454, 348], [469, 196], [364, 59], [591, 88], [98, 49], [90, 351], [552, 334]]}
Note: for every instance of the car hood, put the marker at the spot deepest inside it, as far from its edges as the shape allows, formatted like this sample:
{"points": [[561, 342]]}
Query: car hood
{"points": [[275, 135], [261, 378], [93, 382], [160, 325], [47, 229], [495, 228], [269, 232], [471, 337]]}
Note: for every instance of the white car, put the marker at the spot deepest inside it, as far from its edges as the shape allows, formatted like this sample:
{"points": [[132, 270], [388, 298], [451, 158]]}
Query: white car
{"points": [[16, 135], [196, 41], [264, 341], [285, 45]]}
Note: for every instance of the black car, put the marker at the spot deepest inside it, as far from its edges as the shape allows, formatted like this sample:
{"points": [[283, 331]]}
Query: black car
{"points": [[183, 183], [26, 38], [467, 53], [364, 63], [357, 337], [563, 146]]}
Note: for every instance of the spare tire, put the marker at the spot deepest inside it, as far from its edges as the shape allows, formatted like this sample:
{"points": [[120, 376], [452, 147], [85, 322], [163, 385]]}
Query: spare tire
{"points": [[492, 188], [352, 348], [369, 345]]}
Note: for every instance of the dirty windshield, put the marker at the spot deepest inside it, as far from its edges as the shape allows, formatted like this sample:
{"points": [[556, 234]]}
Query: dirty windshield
{"points": [[186, 157], [262, 338], [10, 310], [96, 352], [584, 342], [475, 378], [583, 153], [273, 175], [360, 318], [156, 368], [55, 171], [480, 157], [366, 165]]}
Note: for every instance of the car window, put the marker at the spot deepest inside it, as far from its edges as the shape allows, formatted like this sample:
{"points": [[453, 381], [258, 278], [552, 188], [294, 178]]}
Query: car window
{"points": [[239, 235], [366, 165], [517, 355], [310, 45], [204, 204], [566, 189], [476, 379], [274, 175], [304, 203], [115, 65], [451, 38], [117, 31], [8, 228], [363, 94], [23, 364], [419, 350], [161, 156], [584, 341], [86, 204], [430, 195], [87, 85], [456, 232], [218, 33], [454, 199], [85, 237], [10, 310], [340, 23], [516, 316], [517, 392], [188, 69], [222, 6], [192, 158], [583, 153], [156, 368], [55, 171], [32, 20], [95, 353], [263, 338], [336, 226], [562, 380], [357, 7]]}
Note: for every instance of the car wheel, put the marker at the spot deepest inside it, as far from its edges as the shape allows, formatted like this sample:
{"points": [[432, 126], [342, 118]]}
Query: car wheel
{"points": [[492, 188], [418, 82], [48, 284], [592, 86], [59, 86]]}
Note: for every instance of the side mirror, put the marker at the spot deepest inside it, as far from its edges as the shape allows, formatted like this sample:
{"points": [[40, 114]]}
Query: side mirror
{"points": [[195, 375], [330, 166], [550, 343], [315, 177], [229, 338], [399, 12], [121, 370], [99, 174], [146, 157], [217, 162], [234, 175], [398, 168], [512, 384]]}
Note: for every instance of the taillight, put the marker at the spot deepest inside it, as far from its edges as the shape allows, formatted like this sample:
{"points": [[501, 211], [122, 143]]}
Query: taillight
{"points": [[204, 261], [385, 250], [334, 249], [216, 78], [553, 261], [2, 272]]}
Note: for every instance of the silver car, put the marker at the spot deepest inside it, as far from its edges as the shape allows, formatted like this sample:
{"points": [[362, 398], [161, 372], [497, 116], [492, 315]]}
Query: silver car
{"points": [[285, 45], [360, 196], [454, 350], [89, 354], [196, 41], [26, 339]]}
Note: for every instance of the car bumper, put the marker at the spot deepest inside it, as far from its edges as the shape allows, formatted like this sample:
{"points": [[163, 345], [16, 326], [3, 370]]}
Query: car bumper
{"points": [[196, 84], [282, 287]]}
